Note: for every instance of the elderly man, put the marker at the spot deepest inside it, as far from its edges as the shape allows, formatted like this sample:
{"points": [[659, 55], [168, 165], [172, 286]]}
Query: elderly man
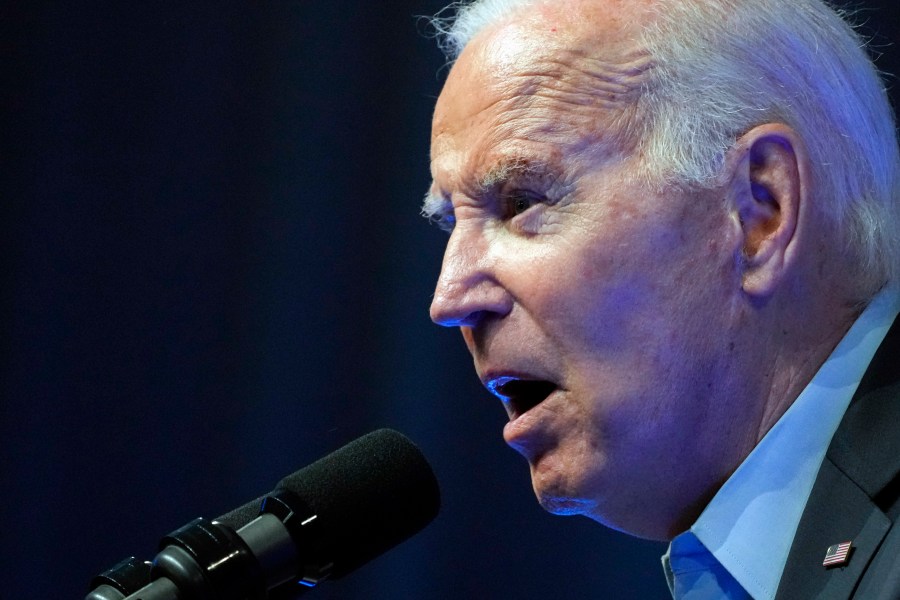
{"points": [[674, 257]]}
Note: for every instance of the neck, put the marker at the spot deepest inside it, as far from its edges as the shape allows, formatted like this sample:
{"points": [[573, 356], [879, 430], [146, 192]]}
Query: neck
{"points": [[802, 333]]}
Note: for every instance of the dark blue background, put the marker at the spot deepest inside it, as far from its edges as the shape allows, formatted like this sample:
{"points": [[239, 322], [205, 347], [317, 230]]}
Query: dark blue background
{"points": [[215, 272]]}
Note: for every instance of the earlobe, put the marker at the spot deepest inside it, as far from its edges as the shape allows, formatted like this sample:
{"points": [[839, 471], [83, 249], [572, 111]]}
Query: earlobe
{"points": [[767, 189]]}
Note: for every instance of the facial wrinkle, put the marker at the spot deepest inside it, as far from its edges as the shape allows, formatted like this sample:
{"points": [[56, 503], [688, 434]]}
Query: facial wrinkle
{"points": [[585, 79], [586, 96]]}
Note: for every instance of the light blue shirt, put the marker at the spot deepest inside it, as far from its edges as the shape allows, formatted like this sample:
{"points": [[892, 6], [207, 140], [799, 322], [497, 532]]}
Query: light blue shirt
{"points": [[750, 523]]}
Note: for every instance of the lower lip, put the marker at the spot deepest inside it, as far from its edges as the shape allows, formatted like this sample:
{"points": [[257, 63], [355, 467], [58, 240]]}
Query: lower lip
{"points": [[528, 423]]}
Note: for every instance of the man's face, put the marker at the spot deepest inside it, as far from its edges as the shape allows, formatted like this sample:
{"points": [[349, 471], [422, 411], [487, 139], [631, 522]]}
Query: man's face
{"points": [[596, 308]]}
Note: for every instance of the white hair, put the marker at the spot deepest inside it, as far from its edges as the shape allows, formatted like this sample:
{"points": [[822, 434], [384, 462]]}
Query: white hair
{"points": [[466, 19], [741, 63]]}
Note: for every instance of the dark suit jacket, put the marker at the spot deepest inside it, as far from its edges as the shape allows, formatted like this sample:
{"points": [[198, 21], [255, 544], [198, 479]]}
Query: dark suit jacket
{"points": [[856, 496]]}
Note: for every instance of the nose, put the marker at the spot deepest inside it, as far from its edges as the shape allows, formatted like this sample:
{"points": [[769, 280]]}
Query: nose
{"points": [[467, 290]]}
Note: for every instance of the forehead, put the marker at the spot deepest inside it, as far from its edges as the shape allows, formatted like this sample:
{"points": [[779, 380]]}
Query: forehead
{"points": [[549, 74]]}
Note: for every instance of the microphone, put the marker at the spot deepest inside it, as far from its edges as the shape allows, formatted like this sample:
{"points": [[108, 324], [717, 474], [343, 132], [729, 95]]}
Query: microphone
{"points": [[322, 522]]}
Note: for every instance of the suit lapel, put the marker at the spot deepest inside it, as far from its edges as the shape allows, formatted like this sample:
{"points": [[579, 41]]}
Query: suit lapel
{"points": [[841, 513], [862, 460]]}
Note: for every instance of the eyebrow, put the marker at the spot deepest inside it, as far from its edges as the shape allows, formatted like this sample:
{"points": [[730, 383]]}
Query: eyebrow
{"points": [[503, 170], [435, 206], [507, 168]]}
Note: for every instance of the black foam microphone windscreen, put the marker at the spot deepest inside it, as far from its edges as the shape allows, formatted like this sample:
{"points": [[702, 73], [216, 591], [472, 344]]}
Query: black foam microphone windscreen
{"points": [[371, 495]]}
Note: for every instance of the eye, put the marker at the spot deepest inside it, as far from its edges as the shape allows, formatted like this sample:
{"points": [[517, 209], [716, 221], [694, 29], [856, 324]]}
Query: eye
{"points": [[518, 201], [446, 221], [439, 210]]}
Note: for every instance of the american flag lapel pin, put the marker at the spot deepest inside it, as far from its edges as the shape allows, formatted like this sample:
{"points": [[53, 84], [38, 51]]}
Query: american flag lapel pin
{"points": [[837, 555]]}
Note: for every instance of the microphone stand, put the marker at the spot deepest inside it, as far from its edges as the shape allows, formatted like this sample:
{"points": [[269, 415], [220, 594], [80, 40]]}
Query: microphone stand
{"points": [[207, 560]]}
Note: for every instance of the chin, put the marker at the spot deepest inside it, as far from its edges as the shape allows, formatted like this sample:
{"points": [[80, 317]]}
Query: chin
{"points": [[560, 489], [559, 499], [565, 506]]}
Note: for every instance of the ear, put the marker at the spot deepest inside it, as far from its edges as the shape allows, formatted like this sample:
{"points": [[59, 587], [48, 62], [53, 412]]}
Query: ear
{"points": [[768, 190]]}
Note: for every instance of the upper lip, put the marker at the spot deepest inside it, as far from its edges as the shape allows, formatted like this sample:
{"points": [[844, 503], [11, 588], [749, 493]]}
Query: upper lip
{"points": [[519, 392]]}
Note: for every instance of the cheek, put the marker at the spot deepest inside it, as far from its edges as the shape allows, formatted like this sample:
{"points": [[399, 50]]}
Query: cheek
{"points": [[631, 328], [604, 301]]}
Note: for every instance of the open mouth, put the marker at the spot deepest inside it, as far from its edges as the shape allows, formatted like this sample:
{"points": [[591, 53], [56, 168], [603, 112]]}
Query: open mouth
{"points": [[521, 395]]}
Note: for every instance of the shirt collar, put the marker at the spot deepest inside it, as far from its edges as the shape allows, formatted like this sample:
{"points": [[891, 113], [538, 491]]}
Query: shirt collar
{"points": [[749, 525]]}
